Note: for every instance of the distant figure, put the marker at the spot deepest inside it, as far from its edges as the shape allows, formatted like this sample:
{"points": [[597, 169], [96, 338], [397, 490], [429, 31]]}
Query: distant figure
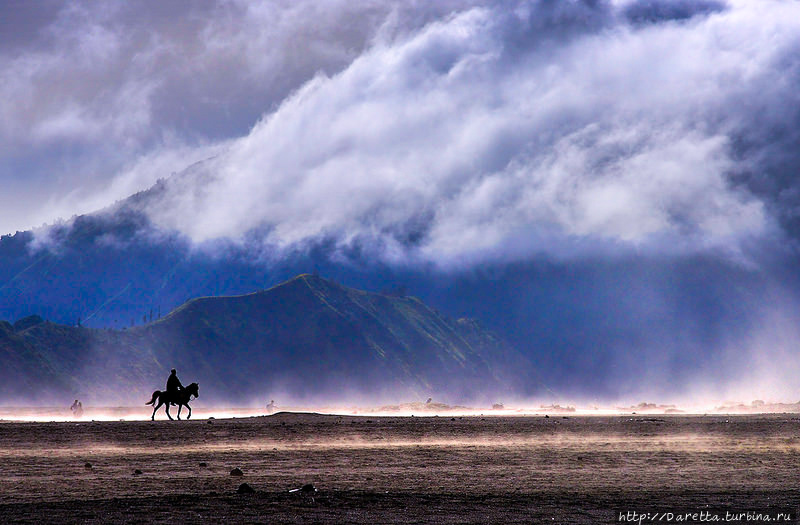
{"points": [[174, 385], [428, 402], [77, 408], [271, 406]]}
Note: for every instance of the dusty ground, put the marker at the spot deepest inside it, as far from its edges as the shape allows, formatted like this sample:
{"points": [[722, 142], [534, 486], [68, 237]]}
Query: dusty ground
{"points": [[396, 469]]}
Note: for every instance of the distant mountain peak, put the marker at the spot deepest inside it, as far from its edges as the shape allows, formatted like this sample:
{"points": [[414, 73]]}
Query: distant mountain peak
{"points": [[307, 336], [310, 279]]}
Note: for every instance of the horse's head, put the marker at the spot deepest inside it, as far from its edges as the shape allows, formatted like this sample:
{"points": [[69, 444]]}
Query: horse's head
{"points": [[192, 390]]}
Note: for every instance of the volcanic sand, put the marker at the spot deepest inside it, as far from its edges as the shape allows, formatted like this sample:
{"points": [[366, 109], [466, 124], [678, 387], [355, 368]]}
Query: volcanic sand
{"points": [[396, 469]]}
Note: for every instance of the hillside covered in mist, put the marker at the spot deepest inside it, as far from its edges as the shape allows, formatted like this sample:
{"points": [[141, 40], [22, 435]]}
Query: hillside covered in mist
{"points": [[305, 338]]}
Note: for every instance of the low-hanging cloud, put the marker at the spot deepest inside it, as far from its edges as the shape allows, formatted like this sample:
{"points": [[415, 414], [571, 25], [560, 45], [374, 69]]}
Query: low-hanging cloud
{"points": [[453, 131], [512, 130], [88, 91]]}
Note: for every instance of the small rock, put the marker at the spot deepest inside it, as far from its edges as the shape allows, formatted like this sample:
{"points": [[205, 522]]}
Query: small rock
{"points": [[237, 472], [203, 464], [87, 465], [244, 488], [137, 472]]}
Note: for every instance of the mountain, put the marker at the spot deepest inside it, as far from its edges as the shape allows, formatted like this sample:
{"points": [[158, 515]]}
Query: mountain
{"points": [[593, 326], [109, 269], [306, 338]]}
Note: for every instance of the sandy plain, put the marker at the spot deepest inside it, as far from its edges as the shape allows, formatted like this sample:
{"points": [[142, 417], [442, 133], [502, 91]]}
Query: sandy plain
{"points": [[367, 469]]}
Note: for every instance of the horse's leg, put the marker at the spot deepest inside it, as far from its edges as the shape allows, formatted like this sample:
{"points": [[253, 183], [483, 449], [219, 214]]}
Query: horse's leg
{"points": [[190, 411], [179, 411], [166, 409], [156, 406]]}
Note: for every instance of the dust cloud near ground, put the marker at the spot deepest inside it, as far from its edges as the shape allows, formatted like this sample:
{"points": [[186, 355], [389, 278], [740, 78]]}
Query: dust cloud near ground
{"points": [[377, 469], [205, 410]]}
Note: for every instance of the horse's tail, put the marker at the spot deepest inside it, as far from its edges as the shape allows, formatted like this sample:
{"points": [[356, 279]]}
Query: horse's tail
{"points": [[155, 396]]}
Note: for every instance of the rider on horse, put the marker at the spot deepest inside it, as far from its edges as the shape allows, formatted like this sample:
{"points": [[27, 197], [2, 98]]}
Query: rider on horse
{"points": [[175, 394], [174, 385], [180, 398]]}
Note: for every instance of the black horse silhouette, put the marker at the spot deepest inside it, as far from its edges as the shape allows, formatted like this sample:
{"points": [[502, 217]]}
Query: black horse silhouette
{"points": [[181, 399]]}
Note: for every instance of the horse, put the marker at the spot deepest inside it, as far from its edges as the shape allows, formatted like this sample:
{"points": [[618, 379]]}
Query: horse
{"points": [[181, 399]]}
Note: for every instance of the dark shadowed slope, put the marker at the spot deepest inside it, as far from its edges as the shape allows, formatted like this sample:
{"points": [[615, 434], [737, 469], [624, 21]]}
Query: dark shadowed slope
{"points": [[26, 372], [309, 337]]}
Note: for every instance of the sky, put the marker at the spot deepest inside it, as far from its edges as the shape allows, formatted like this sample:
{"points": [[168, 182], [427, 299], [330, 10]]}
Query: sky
{"points": [[451, 134]]}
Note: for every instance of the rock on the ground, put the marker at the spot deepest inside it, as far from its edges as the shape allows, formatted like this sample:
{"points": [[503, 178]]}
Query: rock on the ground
{"points": [[244, 488]]}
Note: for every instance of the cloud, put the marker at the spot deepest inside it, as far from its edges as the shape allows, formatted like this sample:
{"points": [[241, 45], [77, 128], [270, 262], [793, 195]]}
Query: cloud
{"points": [[655, 11], [453, 132], [508, 130], [90, 89]]}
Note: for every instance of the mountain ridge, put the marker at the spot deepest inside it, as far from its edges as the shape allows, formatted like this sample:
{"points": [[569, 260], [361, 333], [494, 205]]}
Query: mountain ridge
{"points": [[308, 337]]}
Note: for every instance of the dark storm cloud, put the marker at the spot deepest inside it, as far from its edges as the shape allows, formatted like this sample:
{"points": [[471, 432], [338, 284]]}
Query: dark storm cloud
{"points": [[766, 140], [22, 22], [655, 11]]}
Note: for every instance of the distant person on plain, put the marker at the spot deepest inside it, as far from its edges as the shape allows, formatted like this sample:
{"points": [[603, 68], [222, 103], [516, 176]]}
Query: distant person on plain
{"points": [[77, 408], [174, 385]]}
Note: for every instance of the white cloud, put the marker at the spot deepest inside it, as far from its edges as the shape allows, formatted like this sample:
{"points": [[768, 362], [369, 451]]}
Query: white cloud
{"points": [[464, 138], [444, 132], [103, 86]]}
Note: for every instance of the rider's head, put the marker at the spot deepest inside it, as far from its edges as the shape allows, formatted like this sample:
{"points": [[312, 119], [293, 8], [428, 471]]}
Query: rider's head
{"points": [[173, 371]]}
